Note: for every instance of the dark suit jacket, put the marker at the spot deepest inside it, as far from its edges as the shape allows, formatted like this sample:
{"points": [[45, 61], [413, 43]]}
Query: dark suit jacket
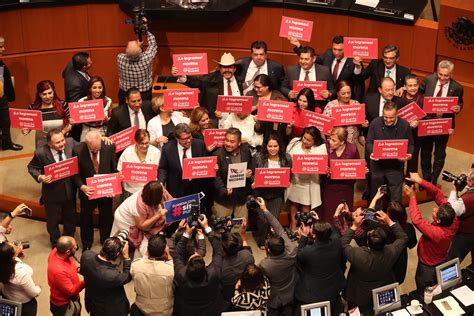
{"points": [[75, 85], [210, 86], [8, 89], [170, 171], [120, 117], [346, 74], [239, 195], [372, 105], [322, 74], [321, 277], [203, 298], [57, 191], [105, 294], [454, 90], [370, 269], [376, 72], [107, 163], [276, 72]]}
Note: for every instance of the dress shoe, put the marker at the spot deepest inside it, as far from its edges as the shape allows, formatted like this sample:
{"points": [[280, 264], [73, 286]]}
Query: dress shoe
{"points": [[15, 147]]}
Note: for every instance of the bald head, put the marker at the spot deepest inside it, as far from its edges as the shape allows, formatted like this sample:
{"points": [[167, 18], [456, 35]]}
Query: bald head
{"points": [[65, 243], [133, 50]]}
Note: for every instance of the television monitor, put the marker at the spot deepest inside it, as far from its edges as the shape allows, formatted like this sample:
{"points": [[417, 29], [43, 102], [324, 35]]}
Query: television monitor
{"points": [[316, 309], [386, 298], [9, 308], [448, 274]]}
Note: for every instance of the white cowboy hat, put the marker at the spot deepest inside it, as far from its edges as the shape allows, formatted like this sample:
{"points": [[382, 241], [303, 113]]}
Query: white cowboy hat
{"points": [[226, 60]]}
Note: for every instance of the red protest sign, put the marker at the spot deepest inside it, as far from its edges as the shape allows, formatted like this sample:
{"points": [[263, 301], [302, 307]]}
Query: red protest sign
{"points": [[316, 86], [104, 185], [411, 112], [234, 104], [202, 167], [86, 111], [434, 127], [62, 169], [275, 111], [390, 149], [346, 169], [123, 139], [366, 48], [352, 114], [322, 122], [30, 119], [214, 137], [297, 28], [439, 105], [191, 64], [181, 99], [310, 164], [139, 172], [272, 177]]}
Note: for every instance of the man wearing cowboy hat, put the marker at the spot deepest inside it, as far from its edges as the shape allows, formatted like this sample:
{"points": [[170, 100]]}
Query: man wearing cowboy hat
{"points": [[221, 82]]}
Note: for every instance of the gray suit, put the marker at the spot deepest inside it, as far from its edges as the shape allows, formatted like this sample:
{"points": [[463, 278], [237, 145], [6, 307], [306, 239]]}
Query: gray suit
{"points": [[59, 197]]}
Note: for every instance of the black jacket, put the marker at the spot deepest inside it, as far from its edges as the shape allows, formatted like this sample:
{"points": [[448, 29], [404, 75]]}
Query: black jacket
{"points": [[75, 84], [376, 72], [8, 90], [276, 72]]}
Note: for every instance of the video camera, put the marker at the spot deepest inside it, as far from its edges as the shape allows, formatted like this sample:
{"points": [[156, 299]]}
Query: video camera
{"points": [[225, 223], [193, 219], [138, 26], [252, 204], [25, 244], [460, 181], [304, 218]]}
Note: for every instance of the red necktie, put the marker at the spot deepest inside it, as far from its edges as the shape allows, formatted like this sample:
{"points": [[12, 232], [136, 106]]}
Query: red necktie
{"points": [[336, 69], [95, 162], [229, 87], [440, 91]]}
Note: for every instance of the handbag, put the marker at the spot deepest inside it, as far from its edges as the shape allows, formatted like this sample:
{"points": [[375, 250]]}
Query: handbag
{"points": [[73, 308]]}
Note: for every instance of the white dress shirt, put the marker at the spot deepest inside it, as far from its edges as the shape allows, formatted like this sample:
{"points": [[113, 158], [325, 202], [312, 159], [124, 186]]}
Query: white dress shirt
{"points": [[381, 104], [141, 118], [312, 74], [233, 85], [181, 153], [251, 71], [393, 73], [21, 287], [457, 203], [444, 93], [56, 155]]}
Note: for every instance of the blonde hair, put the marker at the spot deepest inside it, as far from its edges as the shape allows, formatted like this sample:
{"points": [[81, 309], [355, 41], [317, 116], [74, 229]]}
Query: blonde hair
{"points": [[340, 132], [157, 102]]}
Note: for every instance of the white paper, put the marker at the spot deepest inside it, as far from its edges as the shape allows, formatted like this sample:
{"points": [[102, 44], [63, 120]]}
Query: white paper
{"points": [[464, 294], [448, 306], [401, 312], [368, 3], [236, 175]]}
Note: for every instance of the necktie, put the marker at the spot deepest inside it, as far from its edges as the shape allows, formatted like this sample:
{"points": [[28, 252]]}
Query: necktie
{"points": [[387, 73], [247, 84], [306, 76], [60, 154], [95, 162], [184, 153], [136, 121], [440, 91], [336, 69], [229, 88]]}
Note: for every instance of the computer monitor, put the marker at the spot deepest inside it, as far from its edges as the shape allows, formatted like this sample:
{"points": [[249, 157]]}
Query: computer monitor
{"points": [[9, 308], [448, 274], [316, 309], [386, 298]]}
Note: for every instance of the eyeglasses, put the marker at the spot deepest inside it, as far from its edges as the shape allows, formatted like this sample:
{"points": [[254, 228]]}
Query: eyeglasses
{"points": [[389, 58], [186, 138]]}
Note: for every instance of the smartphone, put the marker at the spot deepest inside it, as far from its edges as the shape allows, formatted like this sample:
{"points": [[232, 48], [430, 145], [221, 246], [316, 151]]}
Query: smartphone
{"points": [[371, 216], [384, 189], [27, 211], [237, 221]]}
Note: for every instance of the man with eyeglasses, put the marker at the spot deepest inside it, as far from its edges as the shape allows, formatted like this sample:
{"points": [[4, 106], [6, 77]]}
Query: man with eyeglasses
{"points": [[387, 66], [63, 277], [170, 170]]}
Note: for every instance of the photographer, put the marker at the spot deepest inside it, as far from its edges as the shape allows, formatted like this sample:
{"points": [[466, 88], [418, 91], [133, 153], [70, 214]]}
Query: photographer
{"points": [[279, 266], [197, 286], [5, 226], [371, 265], [436, 236], [17, 278], [321, 277], [105, 294], [463, 241], [135, 66]]}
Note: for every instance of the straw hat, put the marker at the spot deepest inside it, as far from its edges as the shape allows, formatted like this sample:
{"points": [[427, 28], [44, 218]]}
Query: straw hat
{"points": [[226, 60]]}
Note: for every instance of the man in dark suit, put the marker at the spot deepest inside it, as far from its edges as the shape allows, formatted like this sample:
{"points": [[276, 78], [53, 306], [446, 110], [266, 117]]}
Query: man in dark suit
{"points": [[371, 265], [135, 113], [232, 201], [59, 197], [308, 70], [94, 157], [198, 289], [170, 171], [439, 84], [386, 66], [342, 68], [321, 278], [250, 67], [76, 78], [219, 82], [105, 294]]}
